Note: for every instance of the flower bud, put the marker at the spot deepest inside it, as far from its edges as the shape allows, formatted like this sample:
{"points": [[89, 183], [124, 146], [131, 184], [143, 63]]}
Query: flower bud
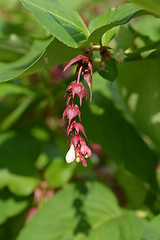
{"points": [[70, 156]]}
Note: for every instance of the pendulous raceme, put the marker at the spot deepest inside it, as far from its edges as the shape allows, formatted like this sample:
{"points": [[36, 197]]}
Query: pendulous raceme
{"points": [[78, 151]]}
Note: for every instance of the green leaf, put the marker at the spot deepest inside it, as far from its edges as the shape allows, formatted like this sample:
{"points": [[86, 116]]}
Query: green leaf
{"points": [[152, 230], [38, 59], [12, 48], [147, 27], [65, 24], [152, 6], [78, 4], [13, 70], [139, 83], [12, 88], [131, 185], [108, 69], [102, 24], [107, 36], [118, 138], [17, 164], [124, 33], [10, 205], [10, 120], [88, 212], [58, 172]]}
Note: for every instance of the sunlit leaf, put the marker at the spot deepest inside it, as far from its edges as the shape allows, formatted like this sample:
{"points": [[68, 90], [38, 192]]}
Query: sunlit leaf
{"points": [[114, 18], [88, 211], [65, 24]]}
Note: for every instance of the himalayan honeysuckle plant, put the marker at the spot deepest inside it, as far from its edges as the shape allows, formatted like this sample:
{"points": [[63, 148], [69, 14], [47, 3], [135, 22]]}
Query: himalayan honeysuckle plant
{"points": [[80, 120]]}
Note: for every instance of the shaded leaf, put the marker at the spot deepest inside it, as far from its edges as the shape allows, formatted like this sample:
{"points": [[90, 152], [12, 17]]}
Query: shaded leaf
{"points": [[13, 70], [11, 88], [108, 69], [8, 122], [17, 163], [10, 205], [119, 139], [139, 83], [131, 185], [12, 48]]}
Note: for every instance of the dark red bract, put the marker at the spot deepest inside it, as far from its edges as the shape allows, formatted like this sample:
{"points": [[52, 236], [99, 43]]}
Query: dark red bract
{"points": [[75, 128], [71, 112], [77, 89]]}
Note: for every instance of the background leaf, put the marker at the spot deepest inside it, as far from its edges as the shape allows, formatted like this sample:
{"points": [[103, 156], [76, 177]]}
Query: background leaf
{"points": [[139, 84], [17, 169], [13, 70], [131, 185], [152, 6], [111, 129], [58, 172], [10, 205]]}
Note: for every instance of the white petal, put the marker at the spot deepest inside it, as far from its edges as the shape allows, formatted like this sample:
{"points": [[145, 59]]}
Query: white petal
{"points": [[70, 156]]}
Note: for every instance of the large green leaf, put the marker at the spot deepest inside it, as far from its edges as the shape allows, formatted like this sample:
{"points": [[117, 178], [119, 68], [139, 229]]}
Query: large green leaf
{"points": [[38, 59], [152, 6], [10, 205], [119, 139], [152, 230], [65, 24], [139, 83], [114, 18], [88, 212]]}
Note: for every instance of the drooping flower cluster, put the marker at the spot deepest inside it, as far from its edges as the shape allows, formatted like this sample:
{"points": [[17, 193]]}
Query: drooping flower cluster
{"points": [[78, 151]]}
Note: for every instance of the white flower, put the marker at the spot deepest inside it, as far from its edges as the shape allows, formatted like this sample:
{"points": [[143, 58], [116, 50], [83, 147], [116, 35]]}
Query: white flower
{"points": [[70, 156]]}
